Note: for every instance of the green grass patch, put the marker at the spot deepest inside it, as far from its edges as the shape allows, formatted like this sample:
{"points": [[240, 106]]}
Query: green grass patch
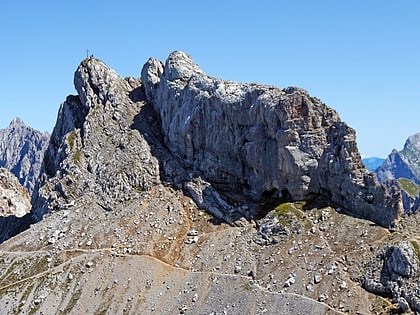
{"points": [[409, 187], [72, 139], [77, 157], [289, 212]]}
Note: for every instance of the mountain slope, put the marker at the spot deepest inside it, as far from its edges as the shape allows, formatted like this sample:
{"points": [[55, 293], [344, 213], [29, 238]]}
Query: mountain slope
{"points": [[21, 152], [121, 227]]}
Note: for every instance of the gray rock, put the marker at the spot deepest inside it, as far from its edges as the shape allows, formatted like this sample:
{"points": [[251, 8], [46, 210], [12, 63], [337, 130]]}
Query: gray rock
{"points": [[402, 260], [394, 273], [21, 152], [97, 147], [404, 306], [404, 163], [14, 199], [317, 278], [15, 205], [259, 140]]}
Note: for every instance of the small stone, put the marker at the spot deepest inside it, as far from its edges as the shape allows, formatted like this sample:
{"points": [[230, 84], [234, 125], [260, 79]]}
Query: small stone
{"points": [[322, 297], [192, 233], [291, 280], [70, 276], [195, 298], [89, 264], [317, 278], [343, 285], [404, 306], [237, 269]]}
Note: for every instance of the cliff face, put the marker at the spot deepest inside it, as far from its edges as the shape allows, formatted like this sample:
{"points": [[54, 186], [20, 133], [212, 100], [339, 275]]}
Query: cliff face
{"points": [[259, 140], [95, 151], [132, 163], [404, 163], [14, 205], [14, 199], [21, 152]]}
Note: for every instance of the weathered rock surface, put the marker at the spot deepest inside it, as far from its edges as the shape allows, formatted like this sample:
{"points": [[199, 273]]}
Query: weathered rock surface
{"points": [[14, 199], [259, 140], [95, 149], [404, 163], [123, 229], [14, 204], [21, 152], [394, 272]]}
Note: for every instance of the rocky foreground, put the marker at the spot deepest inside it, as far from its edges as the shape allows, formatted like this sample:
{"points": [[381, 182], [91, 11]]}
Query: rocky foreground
{"points": [[179, 193]]}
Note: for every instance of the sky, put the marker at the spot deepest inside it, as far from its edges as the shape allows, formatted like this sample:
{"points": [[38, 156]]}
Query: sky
{"points": [[359, 57]]}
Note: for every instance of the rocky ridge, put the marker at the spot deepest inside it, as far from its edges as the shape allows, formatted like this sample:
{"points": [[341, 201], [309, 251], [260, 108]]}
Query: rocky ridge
{"points": [[403, 168], [21, 152], [404, 163], [123, 227], [256, 140]]}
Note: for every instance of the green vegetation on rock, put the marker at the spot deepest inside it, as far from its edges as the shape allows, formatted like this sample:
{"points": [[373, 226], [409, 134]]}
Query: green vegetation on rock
{"points": [[410, 187]]}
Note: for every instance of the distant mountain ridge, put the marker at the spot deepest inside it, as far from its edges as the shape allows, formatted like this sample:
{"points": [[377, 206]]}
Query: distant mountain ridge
{"points": [[404, 168], [22, 150], [404, 163]]}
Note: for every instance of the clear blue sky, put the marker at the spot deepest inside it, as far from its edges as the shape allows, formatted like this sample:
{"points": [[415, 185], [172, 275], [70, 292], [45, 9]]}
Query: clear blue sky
{"points": [[361, 57]]}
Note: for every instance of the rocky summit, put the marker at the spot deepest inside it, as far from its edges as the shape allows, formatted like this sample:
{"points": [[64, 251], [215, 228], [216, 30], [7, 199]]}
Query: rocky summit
{"points": [[404, 163], [179, 193], [22, 150], [257, 140]]}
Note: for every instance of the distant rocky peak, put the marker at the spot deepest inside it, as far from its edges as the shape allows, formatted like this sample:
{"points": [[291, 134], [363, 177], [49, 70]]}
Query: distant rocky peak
{"points": [[413, 142], [22, 151], [17, 122]]}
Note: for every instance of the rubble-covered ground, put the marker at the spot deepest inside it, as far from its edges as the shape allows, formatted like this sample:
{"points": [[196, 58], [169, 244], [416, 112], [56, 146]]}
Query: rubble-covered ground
{"points": [[160, 254]]}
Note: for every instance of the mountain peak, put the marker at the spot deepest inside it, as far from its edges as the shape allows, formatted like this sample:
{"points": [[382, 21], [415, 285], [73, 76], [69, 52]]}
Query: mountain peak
{"points": [[413, 141], [21, 151], [17, 122]]}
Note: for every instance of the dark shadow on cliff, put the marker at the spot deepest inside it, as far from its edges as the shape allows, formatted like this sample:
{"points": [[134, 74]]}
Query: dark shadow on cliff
{"points": [[173, 171]]}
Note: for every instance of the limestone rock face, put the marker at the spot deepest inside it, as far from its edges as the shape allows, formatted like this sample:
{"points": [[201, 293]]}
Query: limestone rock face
{"points": [[96, 150], [15, 205], [395, 273], [260, 140], [21, 152], [14, 199]]}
